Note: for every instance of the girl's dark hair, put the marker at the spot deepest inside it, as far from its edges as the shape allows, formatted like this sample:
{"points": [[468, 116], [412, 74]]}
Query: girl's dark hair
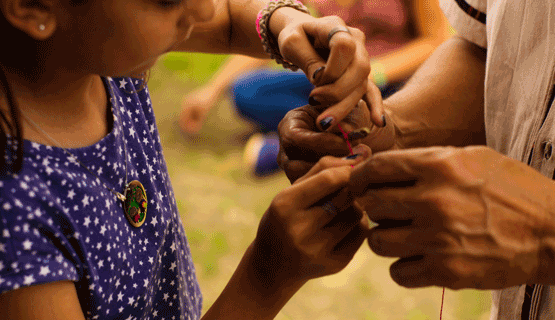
{"points": [[11, 135]]}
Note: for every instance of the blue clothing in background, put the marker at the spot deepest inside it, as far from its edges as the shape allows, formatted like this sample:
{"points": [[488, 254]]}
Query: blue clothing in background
{"points": [[59, 222], [265, 96]]}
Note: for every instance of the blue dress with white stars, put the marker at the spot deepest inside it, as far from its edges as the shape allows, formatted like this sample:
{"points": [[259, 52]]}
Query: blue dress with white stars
{"points": [[60, 222]]}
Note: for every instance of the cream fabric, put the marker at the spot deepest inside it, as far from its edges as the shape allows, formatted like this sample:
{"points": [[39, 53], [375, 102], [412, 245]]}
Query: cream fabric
{"points": [[520, 39]]}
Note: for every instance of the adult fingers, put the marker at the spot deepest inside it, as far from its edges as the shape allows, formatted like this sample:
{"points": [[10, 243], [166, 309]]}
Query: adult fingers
{"points": [[455, 272], [392, 169], [294, 169], [389, 212], [301, 140], [404, 241]]}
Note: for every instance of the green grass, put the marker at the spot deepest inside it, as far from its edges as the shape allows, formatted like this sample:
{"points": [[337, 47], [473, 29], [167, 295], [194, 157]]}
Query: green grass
{"points": [[220, 205]]}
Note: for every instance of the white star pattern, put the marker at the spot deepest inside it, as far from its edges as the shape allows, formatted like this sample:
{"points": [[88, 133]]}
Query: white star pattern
{"points": [[27, 244], [27, 280], [95, 246], [44, 271]]}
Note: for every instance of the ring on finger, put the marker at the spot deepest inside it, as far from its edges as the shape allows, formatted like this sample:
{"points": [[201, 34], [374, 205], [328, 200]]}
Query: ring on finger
{"points": [[336, 30]]}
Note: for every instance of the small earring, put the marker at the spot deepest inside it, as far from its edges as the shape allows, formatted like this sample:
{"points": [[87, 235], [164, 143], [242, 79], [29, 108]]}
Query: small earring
{"points": [[42, 27]]}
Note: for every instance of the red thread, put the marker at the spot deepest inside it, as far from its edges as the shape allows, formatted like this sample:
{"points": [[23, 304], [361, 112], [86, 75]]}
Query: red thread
{"points": [[442, 298], [346, 137]]}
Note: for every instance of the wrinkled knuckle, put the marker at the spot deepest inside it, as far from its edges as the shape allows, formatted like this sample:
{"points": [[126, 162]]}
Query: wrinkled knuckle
{"points": [[442, 165], [357, 33], [435, 201], [333, 94], [280, 203], [376, 244], [312, 253], [334, 19], [346, 46], [336, 176], [288, 43], [326, 161], [458, 269], [329, 177], [365, 68]]}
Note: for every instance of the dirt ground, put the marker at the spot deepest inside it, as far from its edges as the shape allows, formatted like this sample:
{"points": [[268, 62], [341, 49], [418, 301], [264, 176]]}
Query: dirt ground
{"points": [[220, 205]]}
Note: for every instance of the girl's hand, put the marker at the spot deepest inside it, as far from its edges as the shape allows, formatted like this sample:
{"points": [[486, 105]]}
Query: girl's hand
{"points": [[312, 228], [343, 81]]}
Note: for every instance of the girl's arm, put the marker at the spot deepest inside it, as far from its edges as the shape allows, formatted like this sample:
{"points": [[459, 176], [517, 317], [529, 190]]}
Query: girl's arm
{"points": [[432, 28], [50, 301], [232, 29], [301, 38], [310, 230]]}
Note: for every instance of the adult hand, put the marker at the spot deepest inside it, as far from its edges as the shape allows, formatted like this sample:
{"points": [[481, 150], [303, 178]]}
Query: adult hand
{"points": [[337, 63], [302, 144], [459, 218], [312, 228]]}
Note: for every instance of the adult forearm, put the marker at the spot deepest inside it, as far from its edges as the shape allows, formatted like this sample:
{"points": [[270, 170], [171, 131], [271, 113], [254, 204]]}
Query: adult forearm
{"points": [[400, 64], [443, 102]]}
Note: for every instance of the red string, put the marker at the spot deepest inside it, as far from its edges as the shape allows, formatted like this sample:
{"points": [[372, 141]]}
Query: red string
{"points": [[442, 298], [346, 137]]}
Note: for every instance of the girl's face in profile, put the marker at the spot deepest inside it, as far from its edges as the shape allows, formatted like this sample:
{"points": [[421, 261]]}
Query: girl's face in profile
{"points": [[124, 37]]}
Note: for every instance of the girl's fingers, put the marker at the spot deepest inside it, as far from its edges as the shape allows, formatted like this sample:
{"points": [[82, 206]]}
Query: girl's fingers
{"points": [[296, 48], [361, 152], [374, 102], [345, 249], [342, 52], [337, 112], [304, 194]]}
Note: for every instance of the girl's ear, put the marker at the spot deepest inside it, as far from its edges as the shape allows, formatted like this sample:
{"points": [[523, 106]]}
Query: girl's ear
{"points": [[34, 17]]}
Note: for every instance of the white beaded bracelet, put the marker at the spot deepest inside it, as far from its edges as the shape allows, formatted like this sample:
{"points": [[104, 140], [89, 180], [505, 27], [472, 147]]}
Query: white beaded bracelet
{"points": [[269, 43]]}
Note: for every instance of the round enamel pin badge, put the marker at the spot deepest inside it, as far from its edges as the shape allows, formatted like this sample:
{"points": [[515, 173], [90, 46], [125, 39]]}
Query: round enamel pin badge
{"points": [[135, 203]]}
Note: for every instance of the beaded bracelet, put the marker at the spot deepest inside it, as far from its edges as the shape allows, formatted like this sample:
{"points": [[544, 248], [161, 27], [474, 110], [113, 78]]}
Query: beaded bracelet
{"points": [[269, 43]]}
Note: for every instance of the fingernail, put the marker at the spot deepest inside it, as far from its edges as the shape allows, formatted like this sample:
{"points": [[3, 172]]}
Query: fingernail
{"points": [[351, 157], [315, 74], [313, 102], [383, 121], [358, 134], [326, 123], [360, 150]]}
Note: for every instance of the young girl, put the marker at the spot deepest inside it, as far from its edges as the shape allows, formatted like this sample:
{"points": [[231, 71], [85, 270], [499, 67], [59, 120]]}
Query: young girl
{"points": [[89, 226]]}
